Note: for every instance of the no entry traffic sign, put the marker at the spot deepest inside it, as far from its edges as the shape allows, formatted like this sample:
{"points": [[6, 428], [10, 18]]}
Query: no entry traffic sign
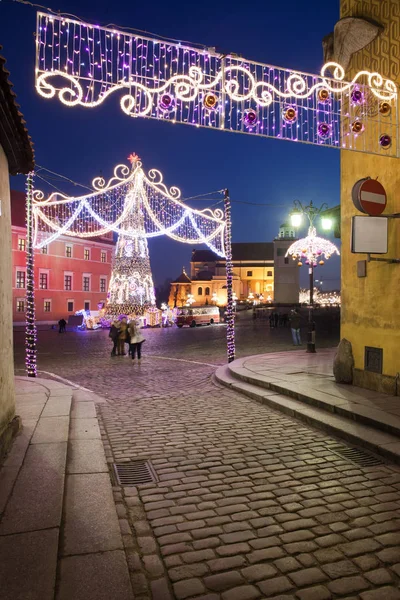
{"points": [[369, 196]]}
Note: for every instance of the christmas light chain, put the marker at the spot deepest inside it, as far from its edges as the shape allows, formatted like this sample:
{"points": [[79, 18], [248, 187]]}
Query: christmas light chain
{"points": [[30, 328]]}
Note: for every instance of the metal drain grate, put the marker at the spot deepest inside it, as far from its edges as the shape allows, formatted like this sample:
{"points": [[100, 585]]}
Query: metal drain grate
{"points": [[134, 473], [357, 456]]}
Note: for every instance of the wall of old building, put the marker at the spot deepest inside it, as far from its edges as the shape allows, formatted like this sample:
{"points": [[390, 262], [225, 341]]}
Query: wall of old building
{"points": [[7, 393], [286, 274], [370, 305]]}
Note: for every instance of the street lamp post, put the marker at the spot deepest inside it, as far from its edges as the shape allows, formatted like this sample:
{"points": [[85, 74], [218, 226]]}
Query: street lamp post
{"points": [[312, 249]]}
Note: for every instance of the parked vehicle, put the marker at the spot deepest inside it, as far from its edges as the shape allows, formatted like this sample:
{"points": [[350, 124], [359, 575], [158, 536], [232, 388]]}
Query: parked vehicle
{"points": [[203, 315]]}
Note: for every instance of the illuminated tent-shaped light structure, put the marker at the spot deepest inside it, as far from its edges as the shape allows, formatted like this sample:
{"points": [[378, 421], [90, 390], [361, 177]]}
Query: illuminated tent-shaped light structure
{"points": [[137, 207], [312, 249]]}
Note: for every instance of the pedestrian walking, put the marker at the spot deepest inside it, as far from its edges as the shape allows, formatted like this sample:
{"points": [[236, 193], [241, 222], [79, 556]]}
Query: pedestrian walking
{"points": [[136, 340], [271, 320], [114, 334], [276, 319], [122, 336], [295, 320], [61, 325]]}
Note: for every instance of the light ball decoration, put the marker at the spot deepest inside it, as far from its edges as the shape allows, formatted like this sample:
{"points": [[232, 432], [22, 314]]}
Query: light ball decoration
{"points": [[357, 96], [250, 118], [311, 249], [385, 108], [385, 141], [323, 95], [166, 102], [290, 115], [357, 127], [324, 131], [210, 101]]}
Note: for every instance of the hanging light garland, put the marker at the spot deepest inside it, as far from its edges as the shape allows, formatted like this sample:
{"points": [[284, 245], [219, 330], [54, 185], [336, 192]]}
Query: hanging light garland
{"points": [[83, 64], [106, 210], [30, 328]]}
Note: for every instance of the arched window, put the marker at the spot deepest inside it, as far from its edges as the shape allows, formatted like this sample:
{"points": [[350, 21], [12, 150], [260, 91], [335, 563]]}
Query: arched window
{"points": [[207, 291], [200, 291]]}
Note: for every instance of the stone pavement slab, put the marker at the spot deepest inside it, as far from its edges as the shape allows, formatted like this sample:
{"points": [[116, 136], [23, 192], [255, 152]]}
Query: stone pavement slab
{"points": [[51, 430], [91, 523], [36, 500], [86, 456], [84, 429], [94, 577], [28, 565]]}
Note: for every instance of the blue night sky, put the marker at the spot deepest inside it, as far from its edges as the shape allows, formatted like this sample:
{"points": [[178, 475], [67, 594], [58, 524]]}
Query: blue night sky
{"points": [[79, 143]]}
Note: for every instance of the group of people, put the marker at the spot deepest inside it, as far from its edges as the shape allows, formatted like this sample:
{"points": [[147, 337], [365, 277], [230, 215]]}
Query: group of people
{"points": [[123, 332], [278, 320]]}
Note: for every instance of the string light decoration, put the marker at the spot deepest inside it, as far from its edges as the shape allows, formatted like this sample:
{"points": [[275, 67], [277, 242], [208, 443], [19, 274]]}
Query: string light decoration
{"points": [[230, 317], [30, 327], [312, 249], [107, 209], [83, 64]]}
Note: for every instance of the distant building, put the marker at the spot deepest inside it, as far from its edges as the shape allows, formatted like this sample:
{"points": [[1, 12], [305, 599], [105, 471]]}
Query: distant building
{"points": [[71, 273], [16, 156], [259, 268]]}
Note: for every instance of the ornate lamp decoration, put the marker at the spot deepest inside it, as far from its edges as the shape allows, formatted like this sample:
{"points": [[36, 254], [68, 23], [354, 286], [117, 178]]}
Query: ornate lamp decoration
{"points": [[312, 249]]}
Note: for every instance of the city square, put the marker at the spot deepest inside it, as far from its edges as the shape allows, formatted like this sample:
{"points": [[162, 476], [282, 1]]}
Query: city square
{"points": [[199, 370]]}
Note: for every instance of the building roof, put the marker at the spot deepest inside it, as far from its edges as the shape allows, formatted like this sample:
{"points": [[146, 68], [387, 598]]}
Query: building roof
{"points": [[14, 137], [241, 251], [18, 209], [183, 278]]}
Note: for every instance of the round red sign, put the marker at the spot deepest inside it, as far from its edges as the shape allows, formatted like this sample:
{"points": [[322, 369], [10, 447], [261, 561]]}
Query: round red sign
{"points": [[369, 196]]}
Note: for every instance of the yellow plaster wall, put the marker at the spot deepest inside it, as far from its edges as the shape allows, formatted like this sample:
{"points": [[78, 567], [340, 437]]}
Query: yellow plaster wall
{"points": [[371, 305]]}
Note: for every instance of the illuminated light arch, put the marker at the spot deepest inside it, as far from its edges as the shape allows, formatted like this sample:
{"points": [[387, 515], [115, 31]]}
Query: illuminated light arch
{"points": [[106, 209], [83, 64]]}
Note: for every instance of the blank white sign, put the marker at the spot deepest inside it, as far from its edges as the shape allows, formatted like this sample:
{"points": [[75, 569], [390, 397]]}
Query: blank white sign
{"points": [[369, 235]]}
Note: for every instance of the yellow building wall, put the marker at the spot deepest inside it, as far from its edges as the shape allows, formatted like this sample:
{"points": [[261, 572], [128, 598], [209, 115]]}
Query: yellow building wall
{"points": [[371, 305], [259, 282]]}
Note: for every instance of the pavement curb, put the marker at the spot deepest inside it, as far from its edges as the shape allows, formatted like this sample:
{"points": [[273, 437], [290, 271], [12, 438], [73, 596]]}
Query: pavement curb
{"points": [[382, 443]]}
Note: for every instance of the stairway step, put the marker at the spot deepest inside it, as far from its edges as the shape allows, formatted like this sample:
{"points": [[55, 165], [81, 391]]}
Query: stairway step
{"points": [[353, 410], [383, 443]]}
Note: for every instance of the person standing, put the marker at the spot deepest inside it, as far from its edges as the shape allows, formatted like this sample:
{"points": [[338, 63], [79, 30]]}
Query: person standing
{"points": [[295, 321], [123, 329], [114, 334], [136, 340], [61, 325]]}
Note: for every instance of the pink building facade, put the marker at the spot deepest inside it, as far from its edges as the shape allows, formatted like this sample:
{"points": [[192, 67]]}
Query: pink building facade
{"points": [[70, 273]]}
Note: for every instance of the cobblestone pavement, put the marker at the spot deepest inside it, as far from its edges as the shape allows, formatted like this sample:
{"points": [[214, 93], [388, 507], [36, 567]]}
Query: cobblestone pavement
{"points": [[249, 503]]}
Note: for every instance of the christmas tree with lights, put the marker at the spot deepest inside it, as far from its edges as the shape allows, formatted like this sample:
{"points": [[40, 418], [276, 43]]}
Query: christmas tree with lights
{"points": [[131, 289]]}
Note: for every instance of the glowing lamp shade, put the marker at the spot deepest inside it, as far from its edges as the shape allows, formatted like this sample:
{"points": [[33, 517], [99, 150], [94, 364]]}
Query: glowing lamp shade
{"points": [[326, 223], [296, 219]]}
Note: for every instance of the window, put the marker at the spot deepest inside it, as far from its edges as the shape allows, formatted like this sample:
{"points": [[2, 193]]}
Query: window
{"points": [[200, 291], [67, 282], [44, 250], [86, 284], [103, 256], [70, 306], [286, 260], [47, 305], [249, 273], [43, 281], [22, 246], [68, 251], [86, 254], [20, 279], [207, 291], [269, 273], [87, 305], [103, 283], [20, 305]]}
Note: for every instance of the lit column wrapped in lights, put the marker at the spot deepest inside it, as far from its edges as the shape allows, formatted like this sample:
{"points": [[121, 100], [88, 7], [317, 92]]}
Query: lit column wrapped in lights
{"points": [[230, 318], [30, 328]]}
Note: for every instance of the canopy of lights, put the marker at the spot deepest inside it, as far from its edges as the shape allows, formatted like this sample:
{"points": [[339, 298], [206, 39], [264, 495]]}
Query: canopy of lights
{"points": [[106, 210], [83, 64]]}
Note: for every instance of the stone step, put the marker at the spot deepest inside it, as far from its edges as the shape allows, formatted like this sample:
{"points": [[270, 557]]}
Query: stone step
{"points": [[382, 443], [332, 402], [31, 511]]}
